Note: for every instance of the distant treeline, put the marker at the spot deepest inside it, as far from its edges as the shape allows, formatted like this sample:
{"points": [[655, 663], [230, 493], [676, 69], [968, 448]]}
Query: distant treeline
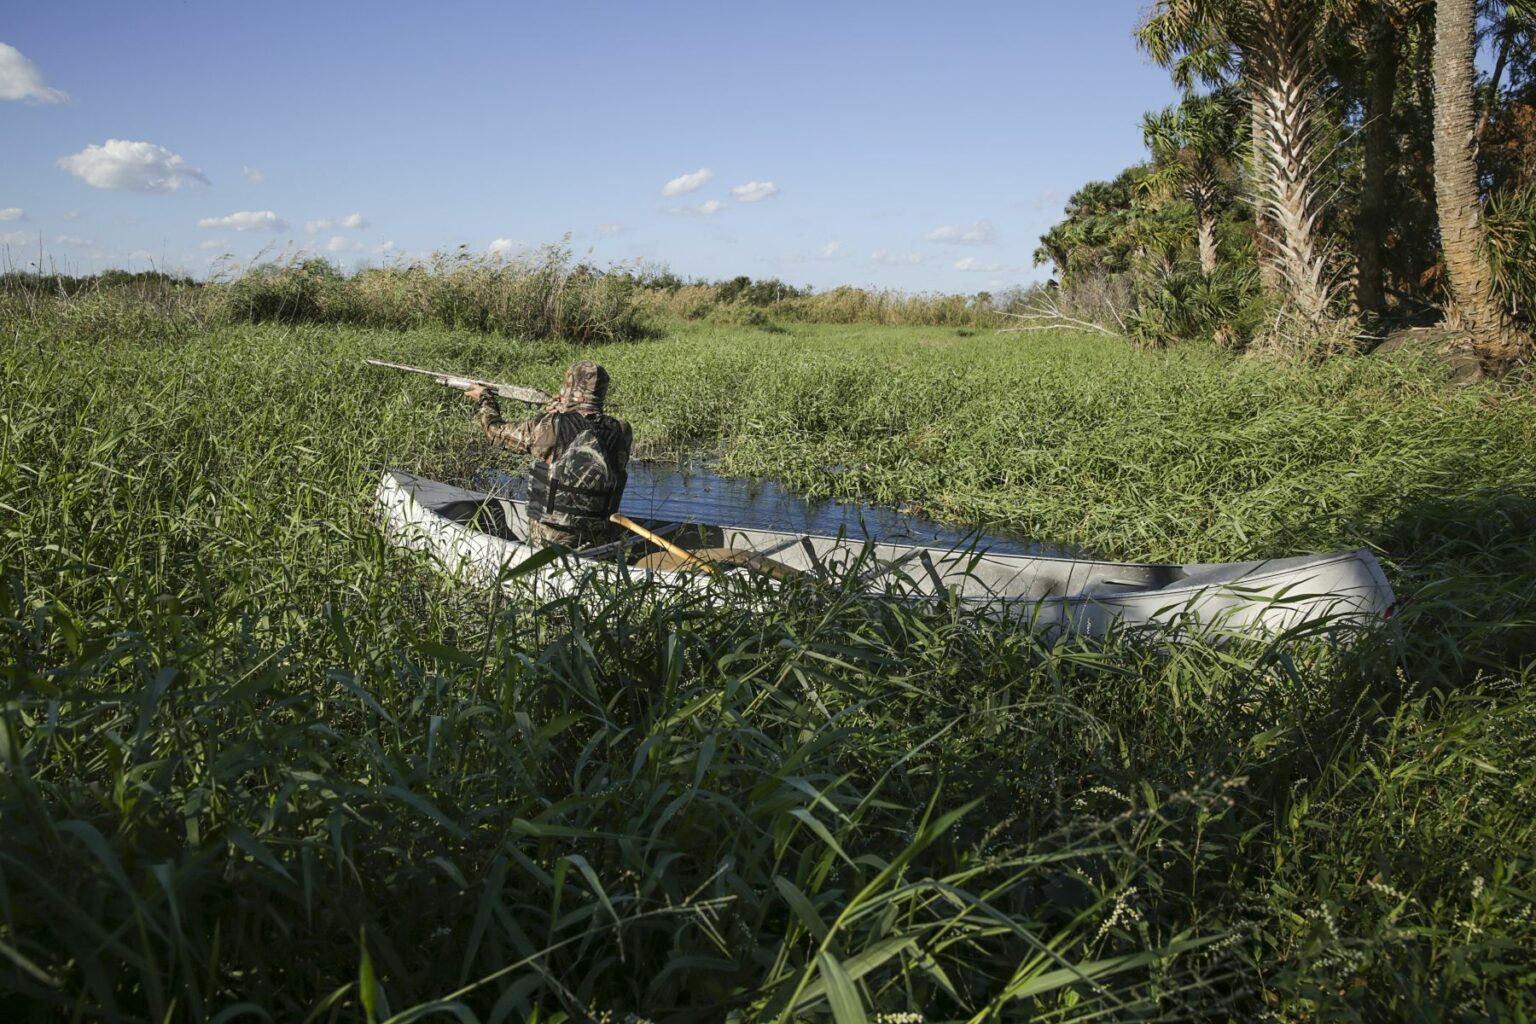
{"points": [[542, 296], [1315, 186]]}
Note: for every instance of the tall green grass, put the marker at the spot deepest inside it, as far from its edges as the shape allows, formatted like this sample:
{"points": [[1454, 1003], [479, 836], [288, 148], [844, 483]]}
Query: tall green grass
{"points": [[258, 764]]}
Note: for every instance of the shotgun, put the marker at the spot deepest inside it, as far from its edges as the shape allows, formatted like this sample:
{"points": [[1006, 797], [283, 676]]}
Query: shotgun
{"points": [[533, 396]]}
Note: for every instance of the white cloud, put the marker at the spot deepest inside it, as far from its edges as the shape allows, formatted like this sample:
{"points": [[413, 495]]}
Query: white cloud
{"points": [[254, 175], [15, 238], [213, 243], [752, 191], [132, 166], [830, 251], [972, 264], [351, 220], [707, 208], [685, 183], [604, 230], [21, 80], [339, 243], [506, 247], [896, 259], [384, 247], [980, 233], [246, 220], [73, 240], [13, 213], [71, 214]]}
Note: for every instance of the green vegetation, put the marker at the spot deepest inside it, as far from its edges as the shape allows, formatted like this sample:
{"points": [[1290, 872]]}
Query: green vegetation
{"points": [[541, 296], [748, 303], [257, 764], [1314, 200]]}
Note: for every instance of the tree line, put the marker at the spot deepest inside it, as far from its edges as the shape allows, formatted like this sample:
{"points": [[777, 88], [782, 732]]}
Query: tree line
{"points": [[1334, 169]]}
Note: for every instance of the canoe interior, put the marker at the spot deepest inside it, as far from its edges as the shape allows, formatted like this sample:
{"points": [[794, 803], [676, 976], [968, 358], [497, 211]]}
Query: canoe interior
{"points": [[492, 529]]}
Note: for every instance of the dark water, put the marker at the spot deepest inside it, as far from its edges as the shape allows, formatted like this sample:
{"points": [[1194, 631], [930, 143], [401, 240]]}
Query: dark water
{"points": [[694, 493]]}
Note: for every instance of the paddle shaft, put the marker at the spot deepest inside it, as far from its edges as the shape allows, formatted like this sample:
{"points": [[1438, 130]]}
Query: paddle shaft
{"points": [[516, 392], [661, 542]]}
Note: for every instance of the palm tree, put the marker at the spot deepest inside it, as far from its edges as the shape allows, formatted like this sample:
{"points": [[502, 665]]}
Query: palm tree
{"points": [[1269, 44], [1494, 337], [1368, 42], [1195, 150]]}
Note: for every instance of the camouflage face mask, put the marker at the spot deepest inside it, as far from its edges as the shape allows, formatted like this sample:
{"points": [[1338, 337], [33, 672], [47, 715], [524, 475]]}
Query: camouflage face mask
{"points": [[585, 387]]}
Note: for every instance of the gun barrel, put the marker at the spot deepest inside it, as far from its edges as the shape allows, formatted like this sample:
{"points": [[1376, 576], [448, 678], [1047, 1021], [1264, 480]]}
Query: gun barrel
{"points": [[516, 392]]}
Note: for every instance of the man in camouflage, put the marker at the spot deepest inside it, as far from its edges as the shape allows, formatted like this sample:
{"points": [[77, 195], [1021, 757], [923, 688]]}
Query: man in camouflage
{"points": [[581, 458]]}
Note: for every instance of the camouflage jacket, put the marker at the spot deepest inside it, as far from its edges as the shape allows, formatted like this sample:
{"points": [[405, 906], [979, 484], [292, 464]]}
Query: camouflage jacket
{"points": [[546, 436]]}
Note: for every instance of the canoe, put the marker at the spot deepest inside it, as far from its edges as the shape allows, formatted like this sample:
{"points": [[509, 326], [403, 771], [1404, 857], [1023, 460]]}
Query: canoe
{"points": [[480, 536]]}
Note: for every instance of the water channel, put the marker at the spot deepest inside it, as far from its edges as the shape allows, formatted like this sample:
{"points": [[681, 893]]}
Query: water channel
{"points": [[693, 492]]}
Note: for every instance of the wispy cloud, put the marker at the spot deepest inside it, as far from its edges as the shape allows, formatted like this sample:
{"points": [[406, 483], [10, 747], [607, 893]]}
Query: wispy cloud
{"points": [[350, 221], [831, 251], [972, 265], [21, 80], [1045, 199], [254, 175], [73, 240], [131, 166], [707, 208], [339, 243], [213, 243], [980, 233], [13, 213], [246, 220], [753, 191], [685, 183], [604, 230], [16, 238], [506, 247], [896, 259]]}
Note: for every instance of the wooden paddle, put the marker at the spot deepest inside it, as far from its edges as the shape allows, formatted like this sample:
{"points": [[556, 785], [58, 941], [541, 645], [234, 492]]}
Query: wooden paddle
{"points": [[660, 541], [717, 556]]}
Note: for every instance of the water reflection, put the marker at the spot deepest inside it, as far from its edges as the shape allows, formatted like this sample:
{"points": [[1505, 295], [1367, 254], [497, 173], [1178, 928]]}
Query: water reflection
{"points": [[693, 493]]}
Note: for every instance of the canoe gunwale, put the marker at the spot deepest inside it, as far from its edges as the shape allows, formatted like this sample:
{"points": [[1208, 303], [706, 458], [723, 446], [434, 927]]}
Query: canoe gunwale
{"points": [[1260, 588]]}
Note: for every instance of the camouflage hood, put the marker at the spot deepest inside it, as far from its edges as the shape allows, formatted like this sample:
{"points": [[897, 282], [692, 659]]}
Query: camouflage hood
{"points": [[584, 388]]}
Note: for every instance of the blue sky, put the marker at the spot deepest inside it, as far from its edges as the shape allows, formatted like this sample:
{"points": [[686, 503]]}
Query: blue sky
{"points": [[922, 146]]}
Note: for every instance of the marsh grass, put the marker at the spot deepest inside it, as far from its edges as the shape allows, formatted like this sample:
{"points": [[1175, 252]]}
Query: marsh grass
{"points": [[543, 295], [258, 764], [718, 303]]}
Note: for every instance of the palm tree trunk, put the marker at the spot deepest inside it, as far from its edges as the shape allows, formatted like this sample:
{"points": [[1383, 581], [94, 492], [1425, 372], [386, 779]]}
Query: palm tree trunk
{"points": [[1207, 243], [1205, 228], [1457, 200], [1271, 279], [1284, 66], [1371, 223], [1283, 79]]}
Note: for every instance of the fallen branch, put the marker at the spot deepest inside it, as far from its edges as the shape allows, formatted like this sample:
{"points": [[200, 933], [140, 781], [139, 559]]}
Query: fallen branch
{"points": [[1047, 316]]}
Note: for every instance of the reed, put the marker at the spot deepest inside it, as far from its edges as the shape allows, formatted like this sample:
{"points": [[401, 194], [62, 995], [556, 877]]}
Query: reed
{"points": [[257, 764]]}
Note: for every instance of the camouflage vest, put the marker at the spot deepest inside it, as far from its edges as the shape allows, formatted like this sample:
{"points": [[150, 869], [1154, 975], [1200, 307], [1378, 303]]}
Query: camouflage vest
{"points": [[584, 483]]}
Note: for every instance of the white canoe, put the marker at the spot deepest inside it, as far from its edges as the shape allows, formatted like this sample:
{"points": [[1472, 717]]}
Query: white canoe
{"points": [[481, 536]]}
